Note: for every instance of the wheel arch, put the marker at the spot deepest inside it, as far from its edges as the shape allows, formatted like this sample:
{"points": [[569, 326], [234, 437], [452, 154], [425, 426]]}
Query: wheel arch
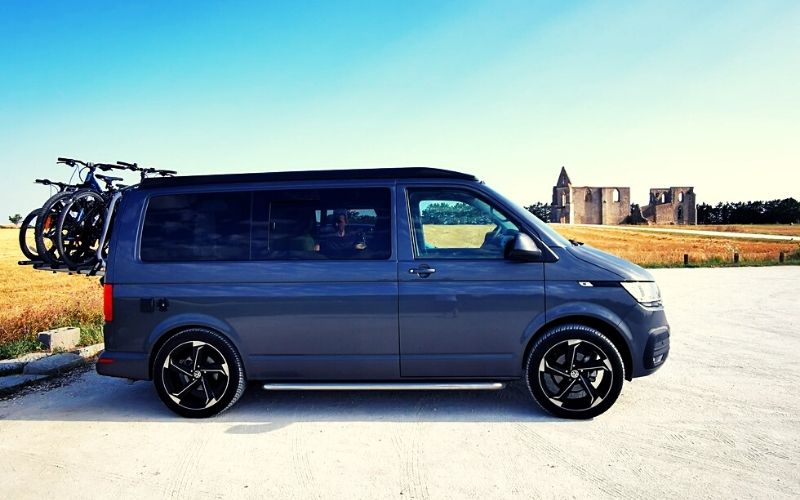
{"points": [[161, 335], [602, 325]]}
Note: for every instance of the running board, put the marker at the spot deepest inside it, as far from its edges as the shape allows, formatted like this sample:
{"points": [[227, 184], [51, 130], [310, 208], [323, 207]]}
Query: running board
{"points": [[387, 386]]}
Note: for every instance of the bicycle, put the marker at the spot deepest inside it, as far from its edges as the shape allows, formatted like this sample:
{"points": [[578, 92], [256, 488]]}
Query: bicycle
{"points": [[46, 229], [86, 220]]}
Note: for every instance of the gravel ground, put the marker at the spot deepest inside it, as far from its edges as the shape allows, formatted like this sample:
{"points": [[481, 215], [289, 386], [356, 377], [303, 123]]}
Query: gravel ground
{"points": [[721, 419]]}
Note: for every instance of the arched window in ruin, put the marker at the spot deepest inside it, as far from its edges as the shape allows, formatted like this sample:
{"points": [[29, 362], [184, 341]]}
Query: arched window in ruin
{"points": [[615, 196], [680, 197], [662, 198], [680, 215], [563, 199], [588, 197]]}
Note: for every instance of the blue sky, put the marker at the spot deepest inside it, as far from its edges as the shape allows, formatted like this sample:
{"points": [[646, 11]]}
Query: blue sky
{"points": [[640, 94]]}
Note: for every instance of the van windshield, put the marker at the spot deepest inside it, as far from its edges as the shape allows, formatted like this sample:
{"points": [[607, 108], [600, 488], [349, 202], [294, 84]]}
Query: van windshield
{"points": [[547, 233]]}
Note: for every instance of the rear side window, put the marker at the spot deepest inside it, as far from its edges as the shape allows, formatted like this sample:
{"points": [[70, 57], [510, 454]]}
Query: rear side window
{"points": [[197, 227], [313, 224], [304, 224]]}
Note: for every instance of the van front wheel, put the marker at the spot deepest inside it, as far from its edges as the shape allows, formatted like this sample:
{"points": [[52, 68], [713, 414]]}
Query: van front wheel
{"points": [[574, 371], [198, 373]]}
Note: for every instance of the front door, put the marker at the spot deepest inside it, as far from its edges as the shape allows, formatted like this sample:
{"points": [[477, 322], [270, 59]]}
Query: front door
{"points": [[464, 309]]}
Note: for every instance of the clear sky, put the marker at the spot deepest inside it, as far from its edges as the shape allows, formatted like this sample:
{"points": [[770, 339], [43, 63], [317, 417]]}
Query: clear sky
{"points": [[639, 94]]}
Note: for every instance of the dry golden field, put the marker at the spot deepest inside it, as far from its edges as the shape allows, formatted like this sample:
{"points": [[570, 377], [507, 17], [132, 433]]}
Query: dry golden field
{"points": [[32, 301], [780, 229], [665, 249], [652, 249]]}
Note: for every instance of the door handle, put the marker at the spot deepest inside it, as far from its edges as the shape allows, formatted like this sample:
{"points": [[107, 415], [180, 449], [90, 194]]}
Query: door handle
{"points": [[422, 271]]}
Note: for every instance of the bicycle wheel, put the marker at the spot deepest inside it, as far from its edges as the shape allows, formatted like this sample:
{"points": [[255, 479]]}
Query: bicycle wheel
{"points": [[47, 226], [80, 225], [27, 238]]}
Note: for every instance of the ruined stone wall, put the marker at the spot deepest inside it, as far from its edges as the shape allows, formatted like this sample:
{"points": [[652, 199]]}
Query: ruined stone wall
{"points": [[615, 212], [561, 205], [674, 205], [591, 205], [587, 205], [612, 205]]}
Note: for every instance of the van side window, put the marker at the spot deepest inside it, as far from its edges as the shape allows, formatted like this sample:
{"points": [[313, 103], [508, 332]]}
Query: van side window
{"points": [[312, 224], [456, 224], [197, 227]]}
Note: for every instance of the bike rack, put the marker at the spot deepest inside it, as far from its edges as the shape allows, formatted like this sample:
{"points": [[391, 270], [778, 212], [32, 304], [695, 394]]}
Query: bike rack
{"points": [[94, 270], [101, 261]]}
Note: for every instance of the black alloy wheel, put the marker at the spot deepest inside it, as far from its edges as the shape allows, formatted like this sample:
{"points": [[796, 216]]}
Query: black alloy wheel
{"points": [[574, 371], [198, 373]]}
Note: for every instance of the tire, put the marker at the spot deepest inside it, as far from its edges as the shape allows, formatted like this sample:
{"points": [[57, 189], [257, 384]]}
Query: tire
{"points": [[574, 371], [47, 228], [185, 386], [27, 235], [80, 225]]}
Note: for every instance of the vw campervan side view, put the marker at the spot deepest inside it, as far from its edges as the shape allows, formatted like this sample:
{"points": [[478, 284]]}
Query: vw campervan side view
{"points": [[406, 278]]}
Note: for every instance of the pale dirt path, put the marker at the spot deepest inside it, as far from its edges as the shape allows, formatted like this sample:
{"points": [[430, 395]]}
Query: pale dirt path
{"points": [[697, 232], [721, 419]]}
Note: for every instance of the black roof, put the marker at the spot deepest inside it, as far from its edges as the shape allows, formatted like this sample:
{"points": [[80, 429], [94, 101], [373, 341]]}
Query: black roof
{"points": [[308, 175]]}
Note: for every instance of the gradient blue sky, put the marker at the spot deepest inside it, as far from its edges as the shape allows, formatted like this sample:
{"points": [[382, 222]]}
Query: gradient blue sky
{"points": [[640, 94]]}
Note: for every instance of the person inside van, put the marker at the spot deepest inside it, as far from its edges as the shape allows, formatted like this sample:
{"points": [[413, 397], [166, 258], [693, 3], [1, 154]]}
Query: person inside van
{"points": [[341, 241]]}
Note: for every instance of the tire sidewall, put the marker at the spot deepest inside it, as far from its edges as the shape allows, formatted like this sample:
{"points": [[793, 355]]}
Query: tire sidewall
{"points": [[23, 231], [236, 375], [52, 256], [577, 332]]}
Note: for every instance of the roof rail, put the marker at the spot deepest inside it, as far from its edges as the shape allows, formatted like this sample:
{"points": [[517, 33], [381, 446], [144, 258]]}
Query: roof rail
{"points": [[308, 175]]}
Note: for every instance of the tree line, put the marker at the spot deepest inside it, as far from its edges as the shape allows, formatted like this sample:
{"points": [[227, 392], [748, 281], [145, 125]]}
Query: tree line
{"points": [[786, 211]]}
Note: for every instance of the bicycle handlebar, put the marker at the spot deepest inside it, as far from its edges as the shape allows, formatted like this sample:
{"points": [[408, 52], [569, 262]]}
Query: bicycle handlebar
{"points": [[145, 170], [71, 162]]}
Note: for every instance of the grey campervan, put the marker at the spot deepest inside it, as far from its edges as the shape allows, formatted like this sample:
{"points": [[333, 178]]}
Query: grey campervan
{"points": [[406, 278]]}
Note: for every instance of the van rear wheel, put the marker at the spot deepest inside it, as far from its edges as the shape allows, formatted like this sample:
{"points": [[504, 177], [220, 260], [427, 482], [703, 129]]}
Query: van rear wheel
{"points": [[198, 373], [574, 371]]}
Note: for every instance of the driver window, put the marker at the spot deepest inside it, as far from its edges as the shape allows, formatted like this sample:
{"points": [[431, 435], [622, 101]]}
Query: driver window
{"points": [[456, 224]]}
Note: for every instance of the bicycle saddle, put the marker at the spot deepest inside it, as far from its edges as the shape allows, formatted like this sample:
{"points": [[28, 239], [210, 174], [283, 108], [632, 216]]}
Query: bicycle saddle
{"points": [[108, 178]]}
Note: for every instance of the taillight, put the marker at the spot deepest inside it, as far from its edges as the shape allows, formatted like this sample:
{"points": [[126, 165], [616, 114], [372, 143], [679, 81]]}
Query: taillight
{"points": [[108, 302]]}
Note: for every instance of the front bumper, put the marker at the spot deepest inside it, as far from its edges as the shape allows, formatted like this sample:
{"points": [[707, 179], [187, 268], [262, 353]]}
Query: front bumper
{"points": [[650, 334]]}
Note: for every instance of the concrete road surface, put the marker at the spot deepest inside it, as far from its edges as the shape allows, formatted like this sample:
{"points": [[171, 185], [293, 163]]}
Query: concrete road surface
{"points": [[721, 419]]}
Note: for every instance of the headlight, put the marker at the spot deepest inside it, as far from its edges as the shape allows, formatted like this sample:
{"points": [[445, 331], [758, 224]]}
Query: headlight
{"points": [[645, 292]]}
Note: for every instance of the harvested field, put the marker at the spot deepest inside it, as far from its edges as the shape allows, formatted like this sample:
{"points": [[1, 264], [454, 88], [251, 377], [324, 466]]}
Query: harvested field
{"points": [[655, 249], [780, 229], [32, 301], [651, 249]]}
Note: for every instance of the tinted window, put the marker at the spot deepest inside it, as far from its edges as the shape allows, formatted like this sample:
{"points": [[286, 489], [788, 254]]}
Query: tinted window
{"points": [[322, 224], [197, 227], [456, 224]]}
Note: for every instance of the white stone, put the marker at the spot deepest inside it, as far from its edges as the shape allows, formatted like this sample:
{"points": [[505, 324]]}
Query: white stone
{"points": [[65, 338]]}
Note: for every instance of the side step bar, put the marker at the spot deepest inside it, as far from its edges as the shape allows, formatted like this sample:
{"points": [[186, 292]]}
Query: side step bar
{"points": [[386, 386]]}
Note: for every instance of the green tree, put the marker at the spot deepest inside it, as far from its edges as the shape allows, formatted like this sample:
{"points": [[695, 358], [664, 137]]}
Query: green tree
{"points": [[14, 219], [540, 210]]}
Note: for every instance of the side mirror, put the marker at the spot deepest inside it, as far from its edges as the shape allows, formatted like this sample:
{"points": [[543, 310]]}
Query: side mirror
{"points": [[523, 249]]}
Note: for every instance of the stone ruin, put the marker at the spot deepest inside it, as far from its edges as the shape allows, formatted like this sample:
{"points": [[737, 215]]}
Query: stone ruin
{"points": [[612, 205]]}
